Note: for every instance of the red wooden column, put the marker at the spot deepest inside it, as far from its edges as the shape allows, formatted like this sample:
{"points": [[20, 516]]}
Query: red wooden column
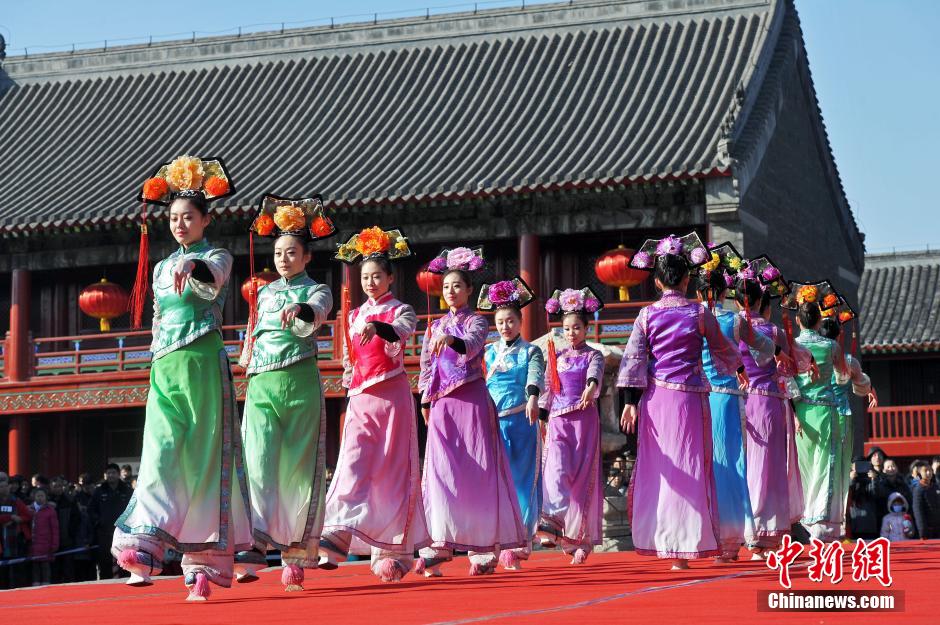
{"points": [[18, 360], [529, 268]]}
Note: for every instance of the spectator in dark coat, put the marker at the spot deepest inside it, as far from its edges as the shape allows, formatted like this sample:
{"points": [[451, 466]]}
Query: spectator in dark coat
{"points": [[85, 561], [927, 504], [107, 504], [45, 538], [69, 520], [862, 515]]}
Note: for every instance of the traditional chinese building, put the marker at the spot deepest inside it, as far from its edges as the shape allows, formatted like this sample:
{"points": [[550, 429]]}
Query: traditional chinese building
{"points": [[548, 134], [900, 346]]}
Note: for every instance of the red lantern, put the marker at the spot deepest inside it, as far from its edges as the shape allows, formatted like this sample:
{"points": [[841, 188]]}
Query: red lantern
{"points": [[613, 269], [104, 301], [260, 278], [431, 283]]}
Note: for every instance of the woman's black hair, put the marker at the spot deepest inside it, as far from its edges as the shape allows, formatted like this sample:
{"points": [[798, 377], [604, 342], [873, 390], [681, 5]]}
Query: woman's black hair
{"points": [[754, 293], [713, 281], [830, 328], [196, 199], [382, 261], [671, 269], [515, 310], [580, 314], [304, 241], [809, 314], [464, 275]]}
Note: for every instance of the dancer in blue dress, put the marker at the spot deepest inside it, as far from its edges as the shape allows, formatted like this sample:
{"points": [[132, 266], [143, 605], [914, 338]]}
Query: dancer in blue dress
{"points": [[515, 370]]}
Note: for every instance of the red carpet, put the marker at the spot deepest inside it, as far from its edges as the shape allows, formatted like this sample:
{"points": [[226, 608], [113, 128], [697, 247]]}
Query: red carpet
{"points": [[610, 588]]}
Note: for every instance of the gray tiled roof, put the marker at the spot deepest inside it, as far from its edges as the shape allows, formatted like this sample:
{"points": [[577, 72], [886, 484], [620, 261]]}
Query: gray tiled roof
{"points": [[410, 110], [900, 302]]}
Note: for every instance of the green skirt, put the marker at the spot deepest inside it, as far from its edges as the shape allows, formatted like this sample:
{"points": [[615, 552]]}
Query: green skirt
{"points": [[283, 428], [818, 451], [191, 490]]}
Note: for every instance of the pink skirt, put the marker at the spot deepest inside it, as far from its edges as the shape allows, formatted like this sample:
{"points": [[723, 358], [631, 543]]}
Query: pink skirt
{"points": [[375, 494]]}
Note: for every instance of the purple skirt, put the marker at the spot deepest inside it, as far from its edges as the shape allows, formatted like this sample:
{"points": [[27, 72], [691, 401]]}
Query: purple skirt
{"points": [[469, 497], [671, 503], [572, 499], [767, 468]]}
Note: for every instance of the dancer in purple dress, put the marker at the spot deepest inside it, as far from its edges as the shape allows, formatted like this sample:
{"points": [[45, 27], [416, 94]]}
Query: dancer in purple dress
{"points": [[671, 502], [469, 497], [771, 428], [571, 483], [374, 499]]}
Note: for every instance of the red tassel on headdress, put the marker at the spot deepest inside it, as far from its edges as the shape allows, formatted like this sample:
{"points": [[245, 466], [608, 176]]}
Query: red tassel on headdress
{"points": [[141, 282], [252, 297], [854, 344], [553, 379], [344, 309], [427, 327], [788, 330], [711, 300], [747, 310]]}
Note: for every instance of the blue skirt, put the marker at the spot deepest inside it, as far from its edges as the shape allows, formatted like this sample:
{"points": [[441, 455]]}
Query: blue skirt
{"points": [[735, 518], [523, 444]]}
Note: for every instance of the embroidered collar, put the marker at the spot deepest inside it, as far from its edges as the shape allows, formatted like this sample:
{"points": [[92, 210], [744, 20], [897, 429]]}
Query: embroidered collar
{"points": [[384, 298], [671, 299], [300, 280], [199, 246]]}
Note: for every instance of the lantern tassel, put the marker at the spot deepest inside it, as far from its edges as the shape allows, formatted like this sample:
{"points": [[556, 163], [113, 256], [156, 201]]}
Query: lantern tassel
{"points": [[104, 324], [141, 282], [624, 293], [554, 380]]}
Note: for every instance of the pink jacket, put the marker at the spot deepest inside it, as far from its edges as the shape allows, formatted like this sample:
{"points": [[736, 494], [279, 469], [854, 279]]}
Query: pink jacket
{"points": [[45, 533]]}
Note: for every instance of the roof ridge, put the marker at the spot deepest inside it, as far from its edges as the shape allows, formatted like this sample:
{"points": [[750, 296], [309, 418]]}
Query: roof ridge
{"points": [[404, 31]]}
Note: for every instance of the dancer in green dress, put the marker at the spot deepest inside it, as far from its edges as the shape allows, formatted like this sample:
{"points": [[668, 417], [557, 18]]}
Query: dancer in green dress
{"points": [[284, 421], [191, 494], [816, 409]]}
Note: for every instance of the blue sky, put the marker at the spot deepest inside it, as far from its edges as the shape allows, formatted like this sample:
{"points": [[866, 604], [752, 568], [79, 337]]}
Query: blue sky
{"points": [[874, 63]]}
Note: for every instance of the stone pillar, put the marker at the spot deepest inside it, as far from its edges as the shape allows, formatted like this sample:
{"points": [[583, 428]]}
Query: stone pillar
{"points": [[18, 360], [529, 268]]}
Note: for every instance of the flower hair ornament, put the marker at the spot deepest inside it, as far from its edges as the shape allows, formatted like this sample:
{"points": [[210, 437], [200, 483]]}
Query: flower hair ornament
{"points": [[821, 293], [726, 260], [513, 293], [689, 246], [184, 176], [459, 258], [302, 217], [373, 242], [563, 302]]}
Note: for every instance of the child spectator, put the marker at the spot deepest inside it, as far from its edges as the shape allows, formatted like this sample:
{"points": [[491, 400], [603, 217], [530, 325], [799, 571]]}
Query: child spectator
{"points": [[45, 538], [897, 525]]}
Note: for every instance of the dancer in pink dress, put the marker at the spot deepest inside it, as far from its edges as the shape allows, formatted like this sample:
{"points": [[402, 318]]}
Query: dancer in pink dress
{"points": [[469, 496], [571, 484], [374, 499]]}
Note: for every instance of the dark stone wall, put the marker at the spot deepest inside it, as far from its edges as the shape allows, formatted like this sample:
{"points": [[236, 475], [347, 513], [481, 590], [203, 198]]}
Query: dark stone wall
{"points": [[792, 194]]}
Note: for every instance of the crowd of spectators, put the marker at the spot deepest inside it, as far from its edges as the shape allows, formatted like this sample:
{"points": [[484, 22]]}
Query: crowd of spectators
{"points": [[884, 501], [55, 530]]}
